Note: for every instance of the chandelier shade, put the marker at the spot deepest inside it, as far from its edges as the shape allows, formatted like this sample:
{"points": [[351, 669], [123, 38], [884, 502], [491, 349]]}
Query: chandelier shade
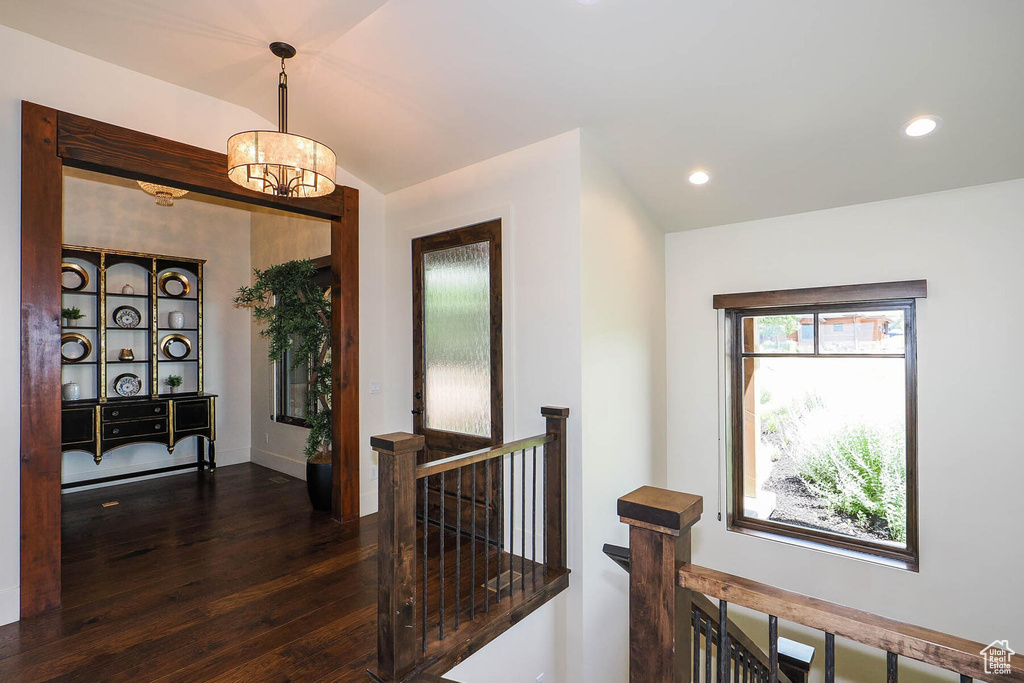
{"points": [[278, 162], [283, 164]]}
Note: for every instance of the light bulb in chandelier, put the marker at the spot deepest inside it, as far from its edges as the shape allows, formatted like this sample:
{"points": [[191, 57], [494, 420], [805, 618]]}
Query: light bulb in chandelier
{"points": [[278, 162]]}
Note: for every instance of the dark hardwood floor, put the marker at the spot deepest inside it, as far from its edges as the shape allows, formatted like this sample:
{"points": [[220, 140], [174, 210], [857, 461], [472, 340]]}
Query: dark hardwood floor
{"points": [[224, 578]]}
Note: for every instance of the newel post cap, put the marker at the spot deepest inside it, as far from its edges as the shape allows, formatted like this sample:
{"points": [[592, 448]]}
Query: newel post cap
{"points": [[669, 512], [554, 411], [397, 442]]}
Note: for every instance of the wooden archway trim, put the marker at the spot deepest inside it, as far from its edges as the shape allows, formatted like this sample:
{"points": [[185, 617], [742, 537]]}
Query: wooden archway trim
{"points": [[52, 139]]}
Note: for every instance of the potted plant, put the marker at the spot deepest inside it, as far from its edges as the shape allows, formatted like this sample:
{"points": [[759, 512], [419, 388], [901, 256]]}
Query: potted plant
{"points": [[297, 317], [72, 315], [174, 381]]}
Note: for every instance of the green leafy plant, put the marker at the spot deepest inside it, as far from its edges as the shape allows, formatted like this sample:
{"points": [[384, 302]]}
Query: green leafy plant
{"points": [[860, 470], [73, 313], [174, 381], [297, 318]]}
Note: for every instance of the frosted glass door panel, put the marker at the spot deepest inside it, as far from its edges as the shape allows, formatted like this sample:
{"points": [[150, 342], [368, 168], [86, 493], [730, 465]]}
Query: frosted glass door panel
{"points": [[457, 339]]}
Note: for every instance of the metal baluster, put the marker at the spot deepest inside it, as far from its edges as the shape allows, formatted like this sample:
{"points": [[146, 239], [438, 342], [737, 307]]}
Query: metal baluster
{"points": [[458, 546], [426, 556], [533, 523], [891, 667], [830, 657], [472, 546], [707, 650], [736, 664], [696, 645], [511, 522], [773, 649], [440, 616], [487, 538], [723, 642], [746, 668], [522, 544]]}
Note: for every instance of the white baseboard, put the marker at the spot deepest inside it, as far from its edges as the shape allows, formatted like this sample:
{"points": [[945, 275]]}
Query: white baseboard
{"points": [[368, 502], [10, 605], [279, 463], [224, 458]]}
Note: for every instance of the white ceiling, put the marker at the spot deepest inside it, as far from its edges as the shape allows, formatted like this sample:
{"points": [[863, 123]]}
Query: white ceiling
{"points": [[793, 105]]}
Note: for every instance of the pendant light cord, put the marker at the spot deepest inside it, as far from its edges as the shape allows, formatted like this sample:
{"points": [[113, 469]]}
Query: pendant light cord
{"points": [[282, 100]]}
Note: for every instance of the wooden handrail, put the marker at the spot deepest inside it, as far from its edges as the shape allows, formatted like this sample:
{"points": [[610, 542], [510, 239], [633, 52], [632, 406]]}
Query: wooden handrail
{"points": [[454, 462], [922, 644]]}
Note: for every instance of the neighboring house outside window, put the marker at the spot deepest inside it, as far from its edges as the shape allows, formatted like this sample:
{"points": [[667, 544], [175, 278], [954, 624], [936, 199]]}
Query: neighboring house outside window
{"points": [[822, 420]]}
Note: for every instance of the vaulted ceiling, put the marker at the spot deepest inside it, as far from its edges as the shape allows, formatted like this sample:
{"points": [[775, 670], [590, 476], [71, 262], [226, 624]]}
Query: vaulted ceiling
{"points": [[793, 105]]}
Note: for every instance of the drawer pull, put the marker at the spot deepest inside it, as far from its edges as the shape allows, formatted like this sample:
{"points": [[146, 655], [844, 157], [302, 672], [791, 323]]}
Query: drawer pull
{"points": [[157, 426], [115, 413], [117, 431], [157, 409]]}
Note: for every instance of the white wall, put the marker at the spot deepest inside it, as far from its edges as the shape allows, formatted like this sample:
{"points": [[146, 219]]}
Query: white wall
{"points": [[536, 192], [623, 360], [968, 244], [109, 212]]}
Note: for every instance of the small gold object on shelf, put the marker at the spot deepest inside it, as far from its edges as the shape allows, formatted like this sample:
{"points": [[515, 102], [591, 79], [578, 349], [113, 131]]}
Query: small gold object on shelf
{"points": [[75, 338], [126, 355], [167, 346], [174, 276], [83, 277]]}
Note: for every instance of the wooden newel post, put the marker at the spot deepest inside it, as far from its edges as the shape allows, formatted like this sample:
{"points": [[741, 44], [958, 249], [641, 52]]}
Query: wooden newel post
{"points": [[397, 647], [555, 548], [659, 610]]}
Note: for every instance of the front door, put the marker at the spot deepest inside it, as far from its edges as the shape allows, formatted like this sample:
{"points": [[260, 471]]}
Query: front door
{"points": [[457, 374]]}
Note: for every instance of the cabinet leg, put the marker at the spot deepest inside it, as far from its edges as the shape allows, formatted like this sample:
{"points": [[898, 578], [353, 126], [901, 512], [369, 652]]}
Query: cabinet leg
{"points": [[200, 460], [213, 456]]}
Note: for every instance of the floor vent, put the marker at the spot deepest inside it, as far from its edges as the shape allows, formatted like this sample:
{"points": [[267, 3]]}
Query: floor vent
{"points": [[501, 583], [110, 504], [279, 480]]}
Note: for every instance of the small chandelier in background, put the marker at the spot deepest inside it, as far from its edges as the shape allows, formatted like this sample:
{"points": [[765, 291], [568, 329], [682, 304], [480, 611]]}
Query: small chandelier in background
{"points": [[279, 162], [165, 196]]}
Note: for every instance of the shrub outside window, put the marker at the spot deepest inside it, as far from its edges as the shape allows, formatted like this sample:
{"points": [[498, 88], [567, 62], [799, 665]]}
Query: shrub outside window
{"points": [[822, 425]]}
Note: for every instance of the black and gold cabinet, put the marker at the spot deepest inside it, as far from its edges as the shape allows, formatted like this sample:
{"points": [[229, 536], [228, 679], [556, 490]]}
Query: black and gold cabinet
{"points": [[99, 428]]}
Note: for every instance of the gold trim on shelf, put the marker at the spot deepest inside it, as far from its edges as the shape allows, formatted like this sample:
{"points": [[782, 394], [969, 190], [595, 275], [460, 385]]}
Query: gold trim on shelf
{"points": [[101, 295], [68, 267], [165, 346], [199, 328], [180, 278], [98, 457], [137, 254], [154, 323], [81, 340]]}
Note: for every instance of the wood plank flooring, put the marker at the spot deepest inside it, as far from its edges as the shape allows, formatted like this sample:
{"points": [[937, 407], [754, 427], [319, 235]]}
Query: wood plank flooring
{"points": [[229, 578]]}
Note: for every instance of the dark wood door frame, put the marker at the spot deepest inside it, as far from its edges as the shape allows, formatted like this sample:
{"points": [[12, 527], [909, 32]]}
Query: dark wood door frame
{"points": [[52, 139]]}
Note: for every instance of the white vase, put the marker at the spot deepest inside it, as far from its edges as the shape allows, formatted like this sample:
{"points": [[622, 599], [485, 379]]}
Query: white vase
{"points": [[71, 391], [176, 320], [127, 289]]}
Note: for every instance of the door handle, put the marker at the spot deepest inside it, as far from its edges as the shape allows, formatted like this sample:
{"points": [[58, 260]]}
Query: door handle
{"points": [[417, 411]]}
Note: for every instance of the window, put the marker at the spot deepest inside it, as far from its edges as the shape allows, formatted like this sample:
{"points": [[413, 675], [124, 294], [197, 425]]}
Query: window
{"points": [[822, 419], [292, 389]]}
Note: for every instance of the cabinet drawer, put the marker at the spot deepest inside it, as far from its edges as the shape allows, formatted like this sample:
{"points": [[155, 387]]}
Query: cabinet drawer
{"points": [[191, 414], [134, 411], [121, 430], [78, 425]]}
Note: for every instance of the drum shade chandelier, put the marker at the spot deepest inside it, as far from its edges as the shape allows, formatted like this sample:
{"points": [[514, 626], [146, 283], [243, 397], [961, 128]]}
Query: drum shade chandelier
{"points": [[278, 162]]}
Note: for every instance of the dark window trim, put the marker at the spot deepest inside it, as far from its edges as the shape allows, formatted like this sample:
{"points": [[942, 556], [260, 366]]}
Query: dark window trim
{"points": [[813, 296], [321, 278], [908, 557]]}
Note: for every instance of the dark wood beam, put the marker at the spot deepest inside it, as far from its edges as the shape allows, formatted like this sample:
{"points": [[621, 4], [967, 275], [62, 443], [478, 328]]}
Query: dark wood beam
{"points": [[117, 151], [810, 296], [41, 240], [345, 440]]}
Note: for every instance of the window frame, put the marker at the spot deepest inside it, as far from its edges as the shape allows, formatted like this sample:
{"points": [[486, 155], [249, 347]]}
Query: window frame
{"points": [[281, 409], [907, 557]]}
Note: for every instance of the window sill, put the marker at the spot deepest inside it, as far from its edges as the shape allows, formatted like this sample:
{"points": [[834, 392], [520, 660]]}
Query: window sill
{"points": [[293, 421], [793, 536]]}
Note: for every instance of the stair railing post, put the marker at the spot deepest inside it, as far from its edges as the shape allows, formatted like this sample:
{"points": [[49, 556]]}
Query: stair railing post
{"points": [[397, 646], [659, 610], [555, 547]]}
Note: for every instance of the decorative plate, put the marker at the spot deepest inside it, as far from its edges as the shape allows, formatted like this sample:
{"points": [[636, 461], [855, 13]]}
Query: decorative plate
{"points": [[127, 317], [174, 341], [75, 338], [76, 270], [127, 384], [175, 284]]}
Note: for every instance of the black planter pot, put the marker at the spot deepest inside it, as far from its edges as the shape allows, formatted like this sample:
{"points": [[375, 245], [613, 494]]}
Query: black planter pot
{"points": [[319, 485]]}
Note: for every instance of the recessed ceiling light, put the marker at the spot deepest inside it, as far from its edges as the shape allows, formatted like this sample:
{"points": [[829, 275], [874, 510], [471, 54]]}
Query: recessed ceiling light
{"points": [[700, 177], [921, 126], [588, 2]]}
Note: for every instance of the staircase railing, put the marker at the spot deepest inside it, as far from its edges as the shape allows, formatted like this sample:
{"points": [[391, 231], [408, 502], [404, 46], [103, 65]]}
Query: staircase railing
{"points": [[665, 586], [462, 564]]}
